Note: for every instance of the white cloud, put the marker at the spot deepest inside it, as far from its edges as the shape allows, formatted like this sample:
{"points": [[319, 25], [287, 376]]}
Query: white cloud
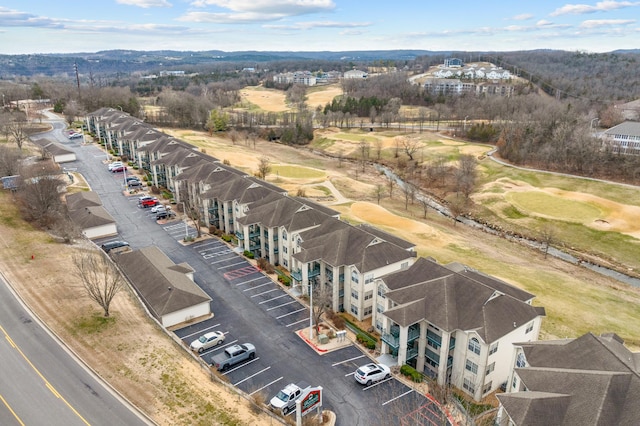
{"points": [[595, 23], [603, 6], [145, 4], [522, 17], [319, 24], [271, 7]]}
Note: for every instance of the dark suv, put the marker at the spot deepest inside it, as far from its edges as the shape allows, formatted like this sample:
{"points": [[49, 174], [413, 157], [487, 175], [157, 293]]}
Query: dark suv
{"points": [[115, 246]]}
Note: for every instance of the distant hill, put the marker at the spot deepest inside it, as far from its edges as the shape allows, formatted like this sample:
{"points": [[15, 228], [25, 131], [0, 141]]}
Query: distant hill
{"points": [[126, 61]]}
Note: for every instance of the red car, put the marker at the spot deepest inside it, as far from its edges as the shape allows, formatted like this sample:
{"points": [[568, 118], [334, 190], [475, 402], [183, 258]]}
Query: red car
{"points": [[118, 169], [148, 201]]}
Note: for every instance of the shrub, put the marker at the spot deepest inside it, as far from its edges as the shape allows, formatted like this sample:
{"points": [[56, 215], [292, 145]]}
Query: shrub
{"points": [[226, 238], [284, 280], [265, 266], [411, 372], [166, 195], [366, 341], [248, 254], [337, 320]]}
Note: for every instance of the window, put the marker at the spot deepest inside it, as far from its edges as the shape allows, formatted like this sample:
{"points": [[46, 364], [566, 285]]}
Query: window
{"points": [[284, 235], [285, 263], [491, 367], [354, 294], [379, 326], [368, 310], [381, 290], [284, 249], [469, 385], [529, 328], [474, 346], [493, 348], [354, 309], [404, 265], [368, 295], [487, 388], [379, 308], [354, 276], [368, 278], [472, 366]]}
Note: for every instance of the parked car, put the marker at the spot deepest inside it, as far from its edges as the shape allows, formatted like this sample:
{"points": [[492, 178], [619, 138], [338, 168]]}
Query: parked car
{"points": [[233, 355], [133, 178], [147, 201], [75, 136], [115, 246], [206, 341], [118, 169], [370, 373], [134, 184], [159, 208], [285, 400], [165, 214], [115, 164]]}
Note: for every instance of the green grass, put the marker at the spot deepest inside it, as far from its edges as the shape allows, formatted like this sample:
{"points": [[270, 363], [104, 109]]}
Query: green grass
{"points": [[534, 202], [94, 323], [296, 172]]}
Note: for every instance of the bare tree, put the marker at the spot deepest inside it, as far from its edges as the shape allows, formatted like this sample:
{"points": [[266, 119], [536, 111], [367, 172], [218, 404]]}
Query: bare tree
{"points": [[193, 212], [363, 147], [391, 183], [264, 167], [457, 207], [466, 175], [9, 160], [377, 145], [100, 277], [547, 238], [17, 131], [38, 194], [379, 192], [410, 146], [322, 300]]}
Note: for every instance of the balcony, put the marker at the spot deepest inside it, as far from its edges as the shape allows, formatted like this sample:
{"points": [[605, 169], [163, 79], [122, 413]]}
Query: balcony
{"points": [[391, 340], [240, 235], [297, 275], [412, 353]]}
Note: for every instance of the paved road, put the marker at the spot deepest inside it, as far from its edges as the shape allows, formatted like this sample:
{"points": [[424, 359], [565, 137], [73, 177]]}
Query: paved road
{"points": [[248, 308], [43, 384]]}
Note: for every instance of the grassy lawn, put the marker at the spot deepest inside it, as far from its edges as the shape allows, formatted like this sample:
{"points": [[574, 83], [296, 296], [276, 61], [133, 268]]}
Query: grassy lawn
{"points": [[289, 171]]}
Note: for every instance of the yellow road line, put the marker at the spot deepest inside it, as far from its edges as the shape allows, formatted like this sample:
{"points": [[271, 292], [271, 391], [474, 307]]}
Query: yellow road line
{"points": [[4, 401], [49, 386]]}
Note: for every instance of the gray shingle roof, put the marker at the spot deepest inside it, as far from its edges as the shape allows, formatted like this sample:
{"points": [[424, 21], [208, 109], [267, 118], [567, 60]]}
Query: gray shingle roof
{"points": [[631, 128], [162, 285], [454, 301], [598, 374]]}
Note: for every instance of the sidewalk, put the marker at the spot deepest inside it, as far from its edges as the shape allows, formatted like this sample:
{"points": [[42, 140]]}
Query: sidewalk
{"points": [[321, 349]]}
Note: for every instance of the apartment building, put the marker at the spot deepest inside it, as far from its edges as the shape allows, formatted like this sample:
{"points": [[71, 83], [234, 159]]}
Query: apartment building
{"points": [[454, 324]]}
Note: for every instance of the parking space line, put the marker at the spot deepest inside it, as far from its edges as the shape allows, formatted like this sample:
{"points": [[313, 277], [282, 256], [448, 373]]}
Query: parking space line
{"points": [[234, 264], [347, 360], [273, 298], [202, 331], [217, 254], [291, 313], [218, 261], [297, 322], [240, 366], [265, 386], [379, 383], [350, 374], [397, 397], [258, 286], [251, 376], [250, 281], [207, 244], [264, 292], [225, 346], [280, 306]]}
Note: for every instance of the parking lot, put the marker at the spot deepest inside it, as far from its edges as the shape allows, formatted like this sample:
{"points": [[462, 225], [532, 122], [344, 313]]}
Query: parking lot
{"points": [[249, 306]]}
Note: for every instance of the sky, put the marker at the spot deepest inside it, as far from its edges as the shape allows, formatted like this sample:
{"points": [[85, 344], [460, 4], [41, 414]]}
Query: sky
{"points": [[73, 26]]}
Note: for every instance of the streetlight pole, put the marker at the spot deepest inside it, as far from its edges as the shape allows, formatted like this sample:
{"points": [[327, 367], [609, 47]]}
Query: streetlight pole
{"points": [[186, 227]]}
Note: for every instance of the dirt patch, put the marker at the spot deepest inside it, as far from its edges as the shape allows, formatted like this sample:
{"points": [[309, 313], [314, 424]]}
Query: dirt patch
{"points": [[273, 100]]}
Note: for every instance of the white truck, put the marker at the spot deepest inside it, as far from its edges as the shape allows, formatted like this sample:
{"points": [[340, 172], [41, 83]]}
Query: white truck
{"points": [[285, 400]]}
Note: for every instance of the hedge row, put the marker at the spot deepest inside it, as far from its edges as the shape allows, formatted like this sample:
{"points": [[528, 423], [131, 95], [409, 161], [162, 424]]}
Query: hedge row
{"points": [[366, 340], [411, 372]]}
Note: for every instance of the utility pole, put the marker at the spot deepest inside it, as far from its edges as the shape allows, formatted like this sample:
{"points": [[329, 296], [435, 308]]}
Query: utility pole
{"points": [[75, 67]]}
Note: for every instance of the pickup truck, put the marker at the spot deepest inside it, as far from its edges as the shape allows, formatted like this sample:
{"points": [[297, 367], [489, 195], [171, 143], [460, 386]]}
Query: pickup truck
{"points": [[285, 400], [233, 355]]}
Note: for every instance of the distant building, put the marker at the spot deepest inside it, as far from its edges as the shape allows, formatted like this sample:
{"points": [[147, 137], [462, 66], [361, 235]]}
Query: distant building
{"points": [[168, 73], [623, 138], [453, 63], [298, 77], [355, 74]]}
